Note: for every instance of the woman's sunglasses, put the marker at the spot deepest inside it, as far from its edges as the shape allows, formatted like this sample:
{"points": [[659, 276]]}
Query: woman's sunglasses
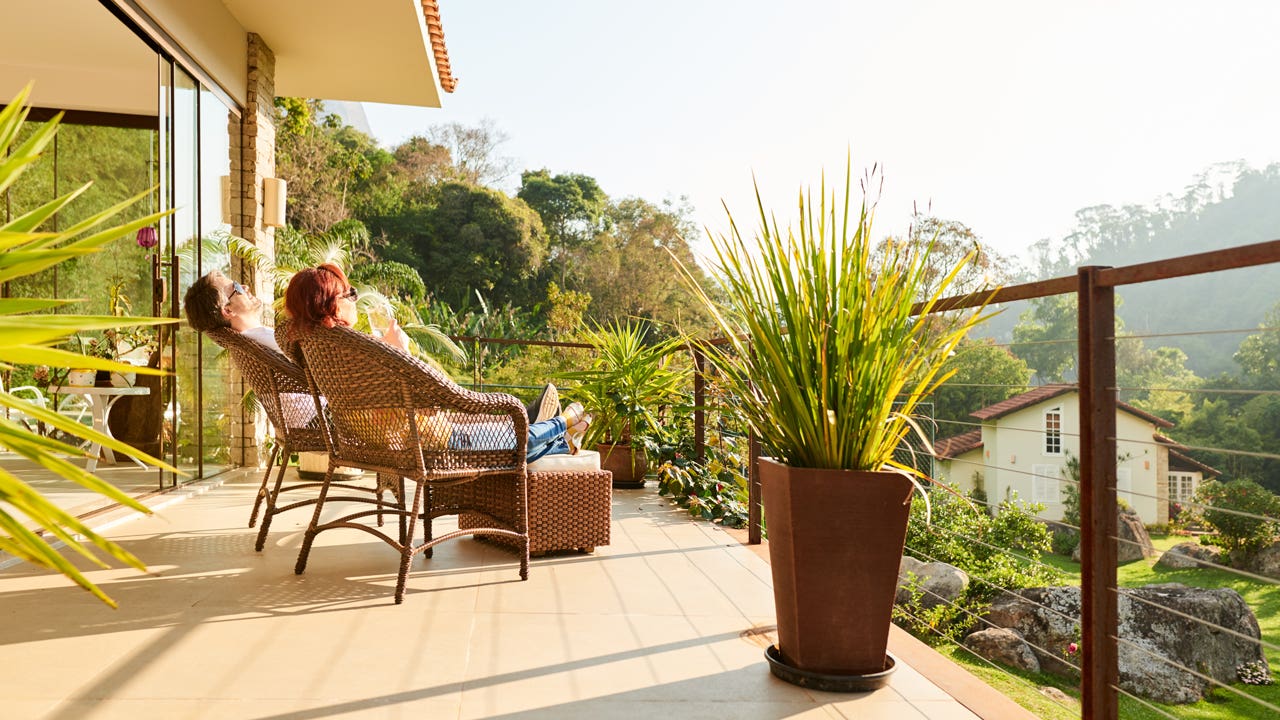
{"points": [[350, 294]]}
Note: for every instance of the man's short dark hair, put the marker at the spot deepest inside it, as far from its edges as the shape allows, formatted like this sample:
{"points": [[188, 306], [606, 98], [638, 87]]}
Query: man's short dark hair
{"points": [[203, 305]]}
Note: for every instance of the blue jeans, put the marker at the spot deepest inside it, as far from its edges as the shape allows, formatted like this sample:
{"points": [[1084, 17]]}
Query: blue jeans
{"points": [[545, 438]]}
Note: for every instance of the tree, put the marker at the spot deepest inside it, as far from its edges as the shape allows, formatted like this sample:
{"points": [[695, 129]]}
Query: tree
{"points": [[985, 373], [324, 161], [570, 206], [471, 238], [950, 241], [1157, 381], [1045, 336], [474, 151], [1259, 354], [628, 270]]}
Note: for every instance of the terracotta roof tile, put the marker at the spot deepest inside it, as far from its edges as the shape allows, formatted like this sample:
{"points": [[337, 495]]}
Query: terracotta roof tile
{"points": [[1048, 392], [1178, 461], [1026, 399], [958, 445], [431, 11]]}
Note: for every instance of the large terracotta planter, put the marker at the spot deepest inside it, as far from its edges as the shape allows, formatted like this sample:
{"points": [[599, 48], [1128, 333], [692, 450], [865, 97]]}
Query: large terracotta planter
{"points": [[835, 544], [627, 464]]}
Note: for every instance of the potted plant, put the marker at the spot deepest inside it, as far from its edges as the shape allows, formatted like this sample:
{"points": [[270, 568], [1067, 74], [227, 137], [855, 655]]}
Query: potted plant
{"points": [[627, 385], [828, 358]]}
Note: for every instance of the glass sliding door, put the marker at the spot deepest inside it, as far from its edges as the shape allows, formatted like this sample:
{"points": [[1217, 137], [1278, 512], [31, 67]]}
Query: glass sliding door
{"points": [[199, 400]]}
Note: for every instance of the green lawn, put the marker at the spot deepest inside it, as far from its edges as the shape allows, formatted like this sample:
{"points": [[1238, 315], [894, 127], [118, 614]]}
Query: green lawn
{"points": [[1263, 598]]}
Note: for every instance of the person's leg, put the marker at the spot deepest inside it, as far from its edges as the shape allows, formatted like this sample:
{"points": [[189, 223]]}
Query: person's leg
{"points": [[546, 438]]}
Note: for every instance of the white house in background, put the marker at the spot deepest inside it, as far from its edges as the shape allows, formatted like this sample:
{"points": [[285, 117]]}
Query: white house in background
{"points": [[1024, 442]]}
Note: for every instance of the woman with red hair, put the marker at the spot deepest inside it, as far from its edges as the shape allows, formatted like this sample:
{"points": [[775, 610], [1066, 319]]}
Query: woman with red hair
{"points": [[323, 297]]}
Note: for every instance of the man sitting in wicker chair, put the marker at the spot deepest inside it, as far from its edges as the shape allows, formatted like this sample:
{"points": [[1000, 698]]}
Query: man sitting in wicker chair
{"points": [[216, 301], [323, 297]]}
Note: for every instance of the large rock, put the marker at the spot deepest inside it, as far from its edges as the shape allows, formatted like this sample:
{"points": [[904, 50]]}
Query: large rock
{"points": [[1133, 541], [937, 582], [1155, 626], [1003, 646], [1188, 555], [1266, 562]]}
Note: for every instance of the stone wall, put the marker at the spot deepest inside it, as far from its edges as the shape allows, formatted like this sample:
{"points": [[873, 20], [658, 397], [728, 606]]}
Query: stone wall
{"points": [[253, 157]]}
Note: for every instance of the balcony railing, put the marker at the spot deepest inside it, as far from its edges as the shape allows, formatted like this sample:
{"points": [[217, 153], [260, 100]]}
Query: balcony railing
{"points": [[1095, 290]]}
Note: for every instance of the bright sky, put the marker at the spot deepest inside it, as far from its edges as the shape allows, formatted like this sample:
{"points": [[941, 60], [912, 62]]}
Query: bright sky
{"points": [[1007, 116]]}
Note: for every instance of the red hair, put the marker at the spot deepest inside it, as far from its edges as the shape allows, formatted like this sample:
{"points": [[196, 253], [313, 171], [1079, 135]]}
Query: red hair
{"points": [[311, 299]]}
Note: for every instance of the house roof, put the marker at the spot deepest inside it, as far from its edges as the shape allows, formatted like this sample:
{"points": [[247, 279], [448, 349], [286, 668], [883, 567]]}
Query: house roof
{"points": [[1048, 392], [1178, 461], [957, 445]]}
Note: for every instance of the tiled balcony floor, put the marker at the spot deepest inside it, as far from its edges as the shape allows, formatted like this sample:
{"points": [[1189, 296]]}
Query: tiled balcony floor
{"points": [[651, 626]]}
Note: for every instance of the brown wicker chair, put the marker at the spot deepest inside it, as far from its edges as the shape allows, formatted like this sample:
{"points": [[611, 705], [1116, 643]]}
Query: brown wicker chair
{"points": [[395, 415], [281, 388]]}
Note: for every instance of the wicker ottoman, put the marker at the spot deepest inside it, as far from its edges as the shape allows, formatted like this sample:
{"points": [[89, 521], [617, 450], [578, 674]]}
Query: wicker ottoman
{"points": [[570, 505]]}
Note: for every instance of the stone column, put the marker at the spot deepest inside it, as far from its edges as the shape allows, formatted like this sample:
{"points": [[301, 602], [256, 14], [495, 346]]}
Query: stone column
{"points": [[253, 157]]}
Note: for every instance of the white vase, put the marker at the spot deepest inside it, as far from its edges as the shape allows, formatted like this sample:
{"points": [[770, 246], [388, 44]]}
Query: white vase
{"points": [[81, 378], [123, 379]]}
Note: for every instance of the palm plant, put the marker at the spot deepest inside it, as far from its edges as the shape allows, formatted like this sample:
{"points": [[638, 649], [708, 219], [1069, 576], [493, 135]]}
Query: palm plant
{"points": [[27, 338], [628, 383], [296, 251]]}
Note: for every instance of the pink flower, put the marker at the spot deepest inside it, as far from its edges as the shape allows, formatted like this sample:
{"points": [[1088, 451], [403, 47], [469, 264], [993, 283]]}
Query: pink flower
{"points": [[1071, 648]]}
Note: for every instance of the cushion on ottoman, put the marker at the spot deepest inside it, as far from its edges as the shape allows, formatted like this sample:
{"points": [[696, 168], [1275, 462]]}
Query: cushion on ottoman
{"points": [[584, 461]]}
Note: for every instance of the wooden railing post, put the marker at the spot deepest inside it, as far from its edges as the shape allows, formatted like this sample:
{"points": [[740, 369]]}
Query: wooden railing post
{"points": [[1098, 598]]}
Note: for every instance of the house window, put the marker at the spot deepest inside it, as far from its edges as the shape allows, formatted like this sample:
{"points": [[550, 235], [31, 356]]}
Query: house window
{"points": [[1044, 484], [1182, 487], [1053, 432], [1124, 485]]}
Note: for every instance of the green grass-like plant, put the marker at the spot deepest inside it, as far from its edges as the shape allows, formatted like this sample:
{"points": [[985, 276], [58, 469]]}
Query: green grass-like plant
{"points": [[28, 336], [821, 343]]}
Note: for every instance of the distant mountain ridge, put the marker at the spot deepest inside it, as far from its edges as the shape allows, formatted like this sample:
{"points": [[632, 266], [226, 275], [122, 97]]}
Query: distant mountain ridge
{"points": [[1229, 205]]}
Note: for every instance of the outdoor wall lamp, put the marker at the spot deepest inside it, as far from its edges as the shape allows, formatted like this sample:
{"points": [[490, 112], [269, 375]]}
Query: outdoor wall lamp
{"points": [[273, 202]]}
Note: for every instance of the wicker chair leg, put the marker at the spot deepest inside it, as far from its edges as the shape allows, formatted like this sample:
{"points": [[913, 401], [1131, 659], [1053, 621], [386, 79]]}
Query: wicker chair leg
{"points": [[307, 539], [262, 490], [272, 498], [406, 548], [405, 535], [426, 518]]}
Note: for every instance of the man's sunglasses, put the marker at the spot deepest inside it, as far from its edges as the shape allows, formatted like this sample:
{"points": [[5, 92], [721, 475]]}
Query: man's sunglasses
{"points": [[236, 289]]}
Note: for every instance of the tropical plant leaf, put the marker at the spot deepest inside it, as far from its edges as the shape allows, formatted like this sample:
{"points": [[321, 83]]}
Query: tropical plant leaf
{"points": [[26, 338]]}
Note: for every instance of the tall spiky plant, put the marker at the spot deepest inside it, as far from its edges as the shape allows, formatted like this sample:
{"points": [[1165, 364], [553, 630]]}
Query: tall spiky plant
{"points": [[29, 338], [821, 343]]}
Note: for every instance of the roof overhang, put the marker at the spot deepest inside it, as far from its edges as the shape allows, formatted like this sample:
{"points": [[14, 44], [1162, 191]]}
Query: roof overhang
{"points": [[82, 57], [372, 50]]}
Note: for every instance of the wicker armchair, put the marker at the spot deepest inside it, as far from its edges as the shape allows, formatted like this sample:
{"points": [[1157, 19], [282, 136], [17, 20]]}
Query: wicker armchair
{"points": [[281, 388], [393, 414]]}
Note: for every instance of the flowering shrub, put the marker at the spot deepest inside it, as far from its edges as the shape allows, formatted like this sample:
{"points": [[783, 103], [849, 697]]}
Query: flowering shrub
{"points": [[1254, 673], [1243, 512]]}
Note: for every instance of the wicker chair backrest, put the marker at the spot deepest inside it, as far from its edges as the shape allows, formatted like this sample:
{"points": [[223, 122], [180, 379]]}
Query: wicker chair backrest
{"points": [[280, 387], [387, 409]]}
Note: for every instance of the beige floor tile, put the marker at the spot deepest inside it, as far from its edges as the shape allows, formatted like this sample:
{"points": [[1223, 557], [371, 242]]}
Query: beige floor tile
{"points": [[650, 625]]}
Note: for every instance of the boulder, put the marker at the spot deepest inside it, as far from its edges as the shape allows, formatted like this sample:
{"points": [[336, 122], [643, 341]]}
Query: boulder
{"points": [[1155, 628], [937, 582], [1003, 646], [1188, 555], [1266, 561], [1133, 541]]}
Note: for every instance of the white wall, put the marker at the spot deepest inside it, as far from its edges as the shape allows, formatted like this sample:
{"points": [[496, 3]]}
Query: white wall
{"points": [[1017, 447]]}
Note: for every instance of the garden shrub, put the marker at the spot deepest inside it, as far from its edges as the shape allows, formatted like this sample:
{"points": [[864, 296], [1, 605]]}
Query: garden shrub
{"points": [[1243, 512], [1000, 552]]}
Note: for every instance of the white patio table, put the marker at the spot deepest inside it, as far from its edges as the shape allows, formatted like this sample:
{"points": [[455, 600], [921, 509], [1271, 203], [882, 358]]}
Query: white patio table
{"points": [[101, 399]]}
